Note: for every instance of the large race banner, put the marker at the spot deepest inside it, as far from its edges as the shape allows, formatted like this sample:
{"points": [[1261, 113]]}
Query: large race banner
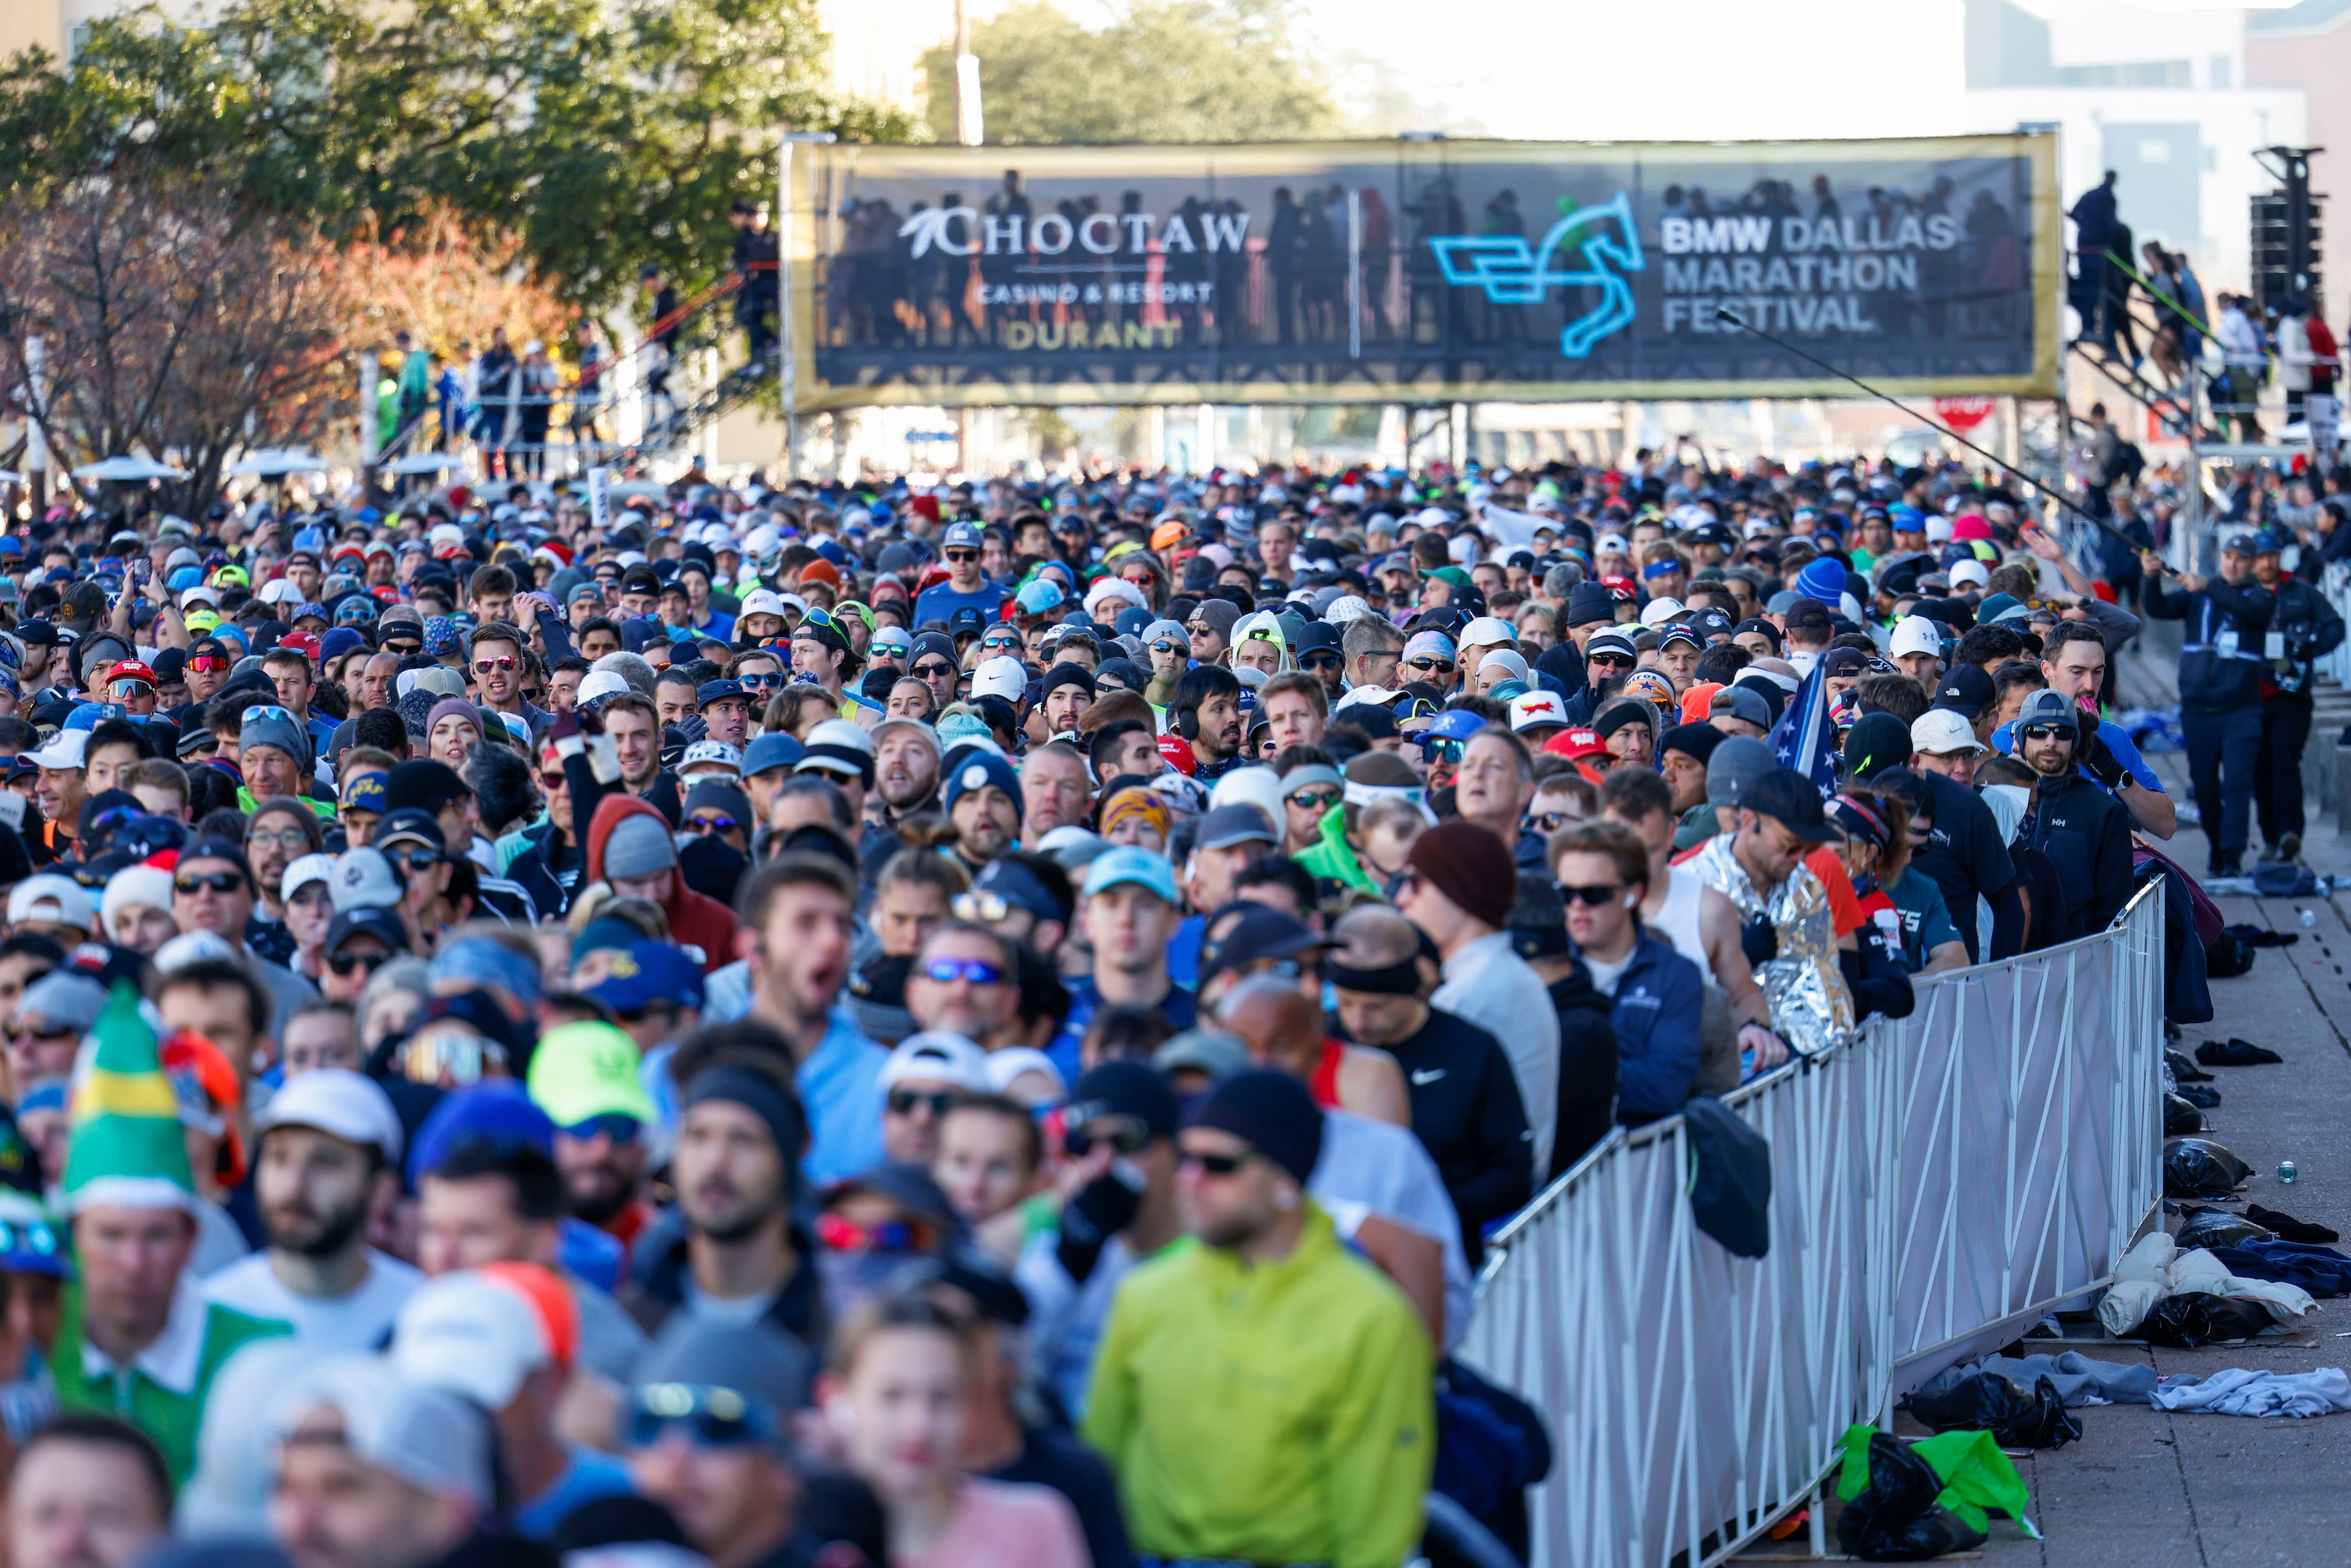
{"points": [[1420, 271]]}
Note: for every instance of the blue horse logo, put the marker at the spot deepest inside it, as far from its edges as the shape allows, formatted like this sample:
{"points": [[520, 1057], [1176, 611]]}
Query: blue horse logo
{"points": [[1512, 274]]}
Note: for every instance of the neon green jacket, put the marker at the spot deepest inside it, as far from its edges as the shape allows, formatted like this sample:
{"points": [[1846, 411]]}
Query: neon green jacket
{"points": [[1280, 1413], [1331, 856]]}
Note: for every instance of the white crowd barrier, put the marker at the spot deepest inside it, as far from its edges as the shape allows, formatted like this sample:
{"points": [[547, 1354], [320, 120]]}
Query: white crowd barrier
{"points": [[1936, 1186]]}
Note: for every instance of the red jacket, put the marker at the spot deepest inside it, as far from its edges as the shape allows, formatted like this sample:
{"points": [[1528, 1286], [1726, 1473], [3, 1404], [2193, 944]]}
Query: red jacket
{"points": [[693, 920]]}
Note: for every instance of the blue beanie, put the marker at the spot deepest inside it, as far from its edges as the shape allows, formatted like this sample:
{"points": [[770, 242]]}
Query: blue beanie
{"points": [[974, 766], [1823, 580], [498, 1109]]}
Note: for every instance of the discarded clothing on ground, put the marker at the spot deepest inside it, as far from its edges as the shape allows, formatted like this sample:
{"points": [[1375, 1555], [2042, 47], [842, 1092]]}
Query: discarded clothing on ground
{"points": [[2262, 936], [2183, 1070], [2198, 1095], [2218, 1227], [2199, 1168], [2288, 1228], [1908, 1503], [2018, 1415], [2235, 1052], [2321, 1270], [2179, 1117], [2078, 1379], [2171, 1297], [2238, 1392]]}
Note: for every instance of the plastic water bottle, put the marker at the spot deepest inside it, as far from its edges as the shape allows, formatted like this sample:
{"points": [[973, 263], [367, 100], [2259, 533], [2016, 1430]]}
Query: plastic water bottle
{"points": [[2286, 1173], [2310, 920]]}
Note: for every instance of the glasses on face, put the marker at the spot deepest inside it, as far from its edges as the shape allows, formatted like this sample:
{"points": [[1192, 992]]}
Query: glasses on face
{"points": [[710, 1417], [1315, 799], [761, 680], [980, 904], [418, 857], [1609, 661], [1431, 666], [495, 663], [1127, 1137], [344, 963], [550, 780], [208, 663], [904, 1102], [285, 838], [1552, 821], [1218, 1164], [1198, 627], [891, 650], [934, 669], [954, 555], [220, 881], [125, 690], [1008, 640], [1594, 895], [719, 823], [1169, 645], [1321, 663], [1442, 750], [621, 1129], [977, 971], [404, 646]]}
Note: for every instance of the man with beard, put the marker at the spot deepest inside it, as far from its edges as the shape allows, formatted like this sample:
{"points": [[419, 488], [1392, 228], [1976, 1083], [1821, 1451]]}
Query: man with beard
{"points": [[905, 785], [1206, 710], [331, 1144], [586, 1077]]}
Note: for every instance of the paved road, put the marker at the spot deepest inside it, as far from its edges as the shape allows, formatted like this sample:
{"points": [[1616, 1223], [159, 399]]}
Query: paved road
{"points": [[2144, 1487]]}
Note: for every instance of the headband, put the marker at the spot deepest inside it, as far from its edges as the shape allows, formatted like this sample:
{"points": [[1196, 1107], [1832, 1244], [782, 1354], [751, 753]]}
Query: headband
{"points": [[1401, 979], [1138, 802], [1361, 795]]}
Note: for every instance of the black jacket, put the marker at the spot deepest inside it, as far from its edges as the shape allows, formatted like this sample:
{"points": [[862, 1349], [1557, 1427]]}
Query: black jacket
{"points": [[1587, 1068], [550, 869], [2085, 833], [657, 1279], [2221, 664], [1467, 1112], [2312, 631]]}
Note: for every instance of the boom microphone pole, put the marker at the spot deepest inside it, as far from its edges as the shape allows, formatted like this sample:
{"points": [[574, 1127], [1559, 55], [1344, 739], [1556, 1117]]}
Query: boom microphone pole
{"points": [[1722, 314]]}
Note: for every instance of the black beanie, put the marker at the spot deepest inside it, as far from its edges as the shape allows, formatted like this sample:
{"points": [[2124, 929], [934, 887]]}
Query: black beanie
{"points": [[1270, 1112], [1697, 740]]}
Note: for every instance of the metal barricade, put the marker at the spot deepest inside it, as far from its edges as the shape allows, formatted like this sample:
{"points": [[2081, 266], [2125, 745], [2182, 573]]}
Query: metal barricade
{"points": [[1944, 1178]]}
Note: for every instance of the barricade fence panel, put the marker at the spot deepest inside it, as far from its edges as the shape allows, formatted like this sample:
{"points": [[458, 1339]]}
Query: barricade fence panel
{"points": [[1940, 1179]]}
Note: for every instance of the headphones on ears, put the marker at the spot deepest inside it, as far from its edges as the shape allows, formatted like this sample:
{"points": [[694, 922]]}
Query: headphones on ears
{"points": [[1188, 722], [1632, 901]]}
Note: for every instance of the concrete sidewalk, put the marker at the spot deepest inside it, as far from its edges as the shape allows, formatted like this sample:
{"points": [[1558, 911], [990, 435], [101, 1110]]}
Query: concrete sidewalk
{"points": [[2145, 1486]]}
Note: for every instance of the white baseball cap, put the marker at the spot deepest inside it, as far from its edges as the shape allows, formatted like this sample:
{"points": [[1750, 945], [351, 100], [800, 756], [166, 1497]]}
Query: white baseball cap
{"points": [[1002, 676], [1938, 732], [1487, 632], [1917, 635], [1657, 611], [1537, 710], [350, 1106], [51, 897], [1969, 573], [470, 1333], [66, 748], [304, 871], [598, 684], [939, 1056], [427, 1437]]}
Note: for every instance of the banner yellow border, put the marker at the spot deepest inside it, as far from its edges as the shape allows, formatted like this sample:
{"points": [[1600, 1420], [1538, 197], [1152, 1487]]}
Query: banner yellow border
{"points": [[813, 162]]}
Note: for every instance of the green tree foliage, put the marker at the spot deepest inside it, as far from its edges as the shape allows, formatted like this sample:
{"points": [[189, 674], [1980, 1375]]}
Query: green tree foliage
{"points": [[1161, 70], [604, 135]]}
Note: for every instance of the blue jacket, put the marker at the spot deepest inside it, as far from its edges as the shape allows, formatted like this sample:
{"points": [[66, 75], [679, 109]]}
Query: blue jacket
{"points": [[1658, 999]]}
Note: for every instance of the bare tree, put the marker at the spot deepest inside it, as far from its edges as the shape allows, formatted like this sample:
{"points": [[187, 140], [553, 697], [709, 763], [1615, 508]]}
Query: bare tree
{"points": [[175, 319]]}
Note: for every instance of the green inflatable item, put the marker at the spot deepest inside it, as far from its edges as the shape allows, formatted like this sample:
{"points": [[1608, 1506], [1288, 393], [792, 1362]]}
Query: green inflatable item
{"points": [[1976, 1475]]}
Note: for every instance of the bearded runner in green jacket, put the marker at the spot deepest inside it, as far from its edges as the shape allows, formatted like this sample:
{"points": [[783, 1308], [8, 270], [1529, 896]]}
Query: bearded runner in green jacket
{"points": [[138, 1339], [1265, 1396]]}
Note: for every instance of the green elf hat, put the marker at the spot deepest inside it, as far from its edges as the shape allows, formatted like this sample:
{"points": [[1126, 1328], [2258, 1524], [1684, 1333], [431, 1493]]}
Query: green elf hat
{"points": [[128, 1151]]}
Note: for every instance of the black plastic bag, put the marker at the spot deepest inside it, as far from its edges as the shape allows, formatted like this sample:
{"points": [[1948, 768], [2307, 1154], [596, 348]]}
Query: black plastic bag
{"points": [[2197, 1318], [2262, 936], [1895, 1519], [2184, 1070], [2218, 1227], [2199, 1168], [2181, 1117], [1989, 1401], [1729, 1176]]}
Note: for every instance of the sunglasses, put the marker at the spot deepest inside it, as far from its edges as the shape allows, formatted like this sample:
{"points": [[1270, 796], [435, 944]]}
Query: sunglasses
{"points": [[1609, 661], [550, 780], [621, 1129], [344, 963], [222, 881], [1127, 1138], [1319, 662], [1593, 896], [902, 1101], [931, 669], [718, 824], [2045, 732], [34, 1237], [1315, 799], [891, 650], [404, 646], [1011, 640], [981, 906], [123, 691], [960, 554], [760, 680], [1443, 750], [421, 858], [1218, 1164], [456, 1059], [501, 662], [1552, 821], [1440, 666], [711, 1417], [1198, 627], [1168, 645], [978, 971], [208, 663], [838, 1233]]}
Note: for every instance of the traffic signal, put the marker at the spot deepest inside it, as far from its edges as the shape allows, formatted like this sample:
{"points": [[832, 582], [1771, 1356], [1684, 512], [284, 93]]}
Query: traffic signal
{"points": [[2286, 234]]}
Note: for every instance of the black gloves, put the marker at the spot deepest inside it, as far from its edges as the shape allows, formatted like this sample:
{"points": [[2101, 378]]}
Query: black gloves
{"points": [[2097, 759], [1103, 1207]]}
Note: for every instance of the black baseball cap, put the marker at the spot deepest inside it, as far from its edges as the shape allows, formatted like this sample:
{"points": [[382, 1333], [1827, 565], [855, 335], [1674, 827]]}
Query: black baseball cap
{"points": [[1966, 691], [380, 923], [1261, 932], [411, 825], [1787, 797]]}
